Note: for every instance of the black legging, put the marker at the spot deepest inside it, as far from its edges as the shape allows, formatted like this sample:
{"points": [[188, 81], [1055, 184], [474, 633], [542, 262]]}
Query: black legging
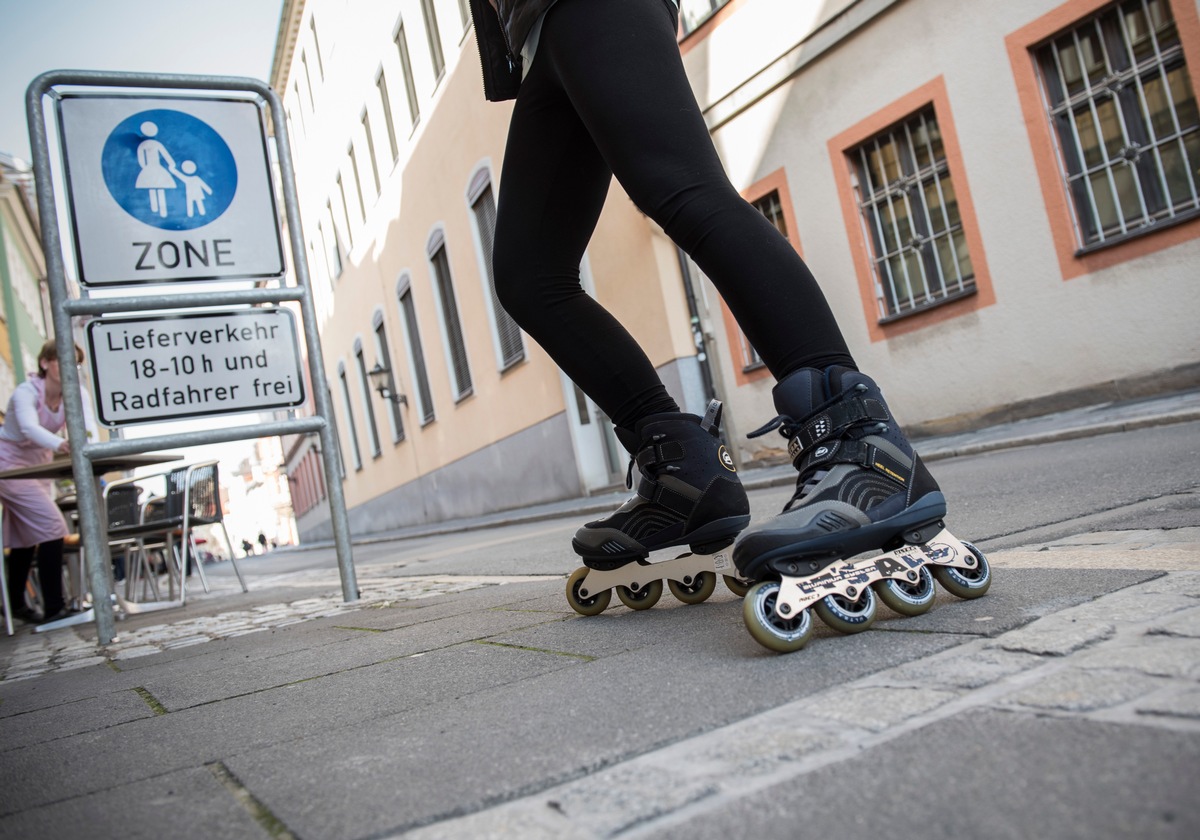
{"points": [[49, 564], [606, 94]]}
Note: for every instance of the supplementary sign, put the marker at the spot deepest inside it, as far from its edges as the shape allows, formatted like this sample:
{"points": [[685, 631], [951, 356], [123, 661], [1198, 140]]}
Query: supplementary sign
{"points": [[177, 366], [166, 188]]}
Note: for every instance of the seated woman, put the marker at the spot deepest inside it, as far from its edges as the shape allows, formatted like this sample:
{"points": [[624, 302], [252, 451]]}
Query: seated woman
{"points": [[33, 525]]}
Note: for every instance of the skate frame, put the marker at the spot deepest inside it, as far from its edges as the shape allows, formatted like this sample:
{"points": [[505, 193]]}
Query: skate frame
{"points": [[636, 576], [848, 577]]}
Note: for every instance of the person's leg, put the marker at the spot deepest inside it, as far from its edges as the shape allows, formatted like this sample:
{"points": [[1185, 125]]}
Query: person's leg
{"points": [[619, 64], [552, 188], [50, 565], [18, 564]]}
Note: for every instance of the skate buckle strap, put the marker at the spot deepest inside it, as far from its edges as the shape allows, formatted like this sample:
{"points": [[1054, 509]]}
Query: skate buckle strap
{"points": [[672, 500], [855, 452], [659, 453], [837, 418]]}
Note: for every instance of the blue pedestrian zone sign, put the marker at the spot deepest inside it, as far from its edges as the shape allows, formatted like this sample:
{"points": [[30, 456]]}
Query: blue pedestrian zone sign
{"points": [[169, 169], [169, 188]]}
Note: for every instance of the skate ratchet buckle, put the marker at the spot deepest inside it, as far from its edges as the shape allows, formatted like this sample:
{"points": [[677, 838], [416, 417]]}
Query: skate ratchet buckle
{"points": [[777, 612]]}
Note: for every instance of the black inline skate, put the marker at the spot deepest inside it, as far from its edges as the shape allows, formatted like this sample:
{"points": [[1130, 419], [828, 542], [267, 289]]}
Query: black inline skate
{"points": [[688, 493], [861, 488]]}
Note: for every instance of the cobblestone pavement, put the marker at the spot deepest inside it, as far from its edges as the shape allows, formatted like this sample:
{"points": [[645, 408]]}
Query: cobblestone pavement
{"points": [[1131, 657], [35, 654]]}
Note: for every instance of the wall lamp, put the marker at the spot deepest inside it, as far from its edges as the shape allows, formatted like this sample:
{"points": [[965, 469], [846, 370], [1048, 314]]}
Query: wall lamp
{"points": [[381, 381]]}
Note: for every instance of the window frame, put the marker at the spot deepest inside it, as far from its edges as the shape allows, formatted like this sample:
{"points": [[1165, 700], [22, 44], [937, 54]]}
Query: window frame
{"points": [[1073, 261], [934, 94], [410, 329], [450, 315], [499, 321]]}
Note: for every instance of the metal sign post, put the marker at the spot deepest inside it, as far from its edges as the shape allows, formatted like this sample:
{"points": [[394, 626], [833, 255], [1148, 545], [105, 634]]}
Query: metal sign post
{"points": [[162, 187]]}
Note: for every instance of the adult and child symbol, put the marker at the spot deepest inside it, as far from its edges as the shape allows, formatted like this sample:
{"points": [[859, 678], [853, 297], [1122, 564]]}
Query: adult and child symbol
{"points": [[156, 178]]}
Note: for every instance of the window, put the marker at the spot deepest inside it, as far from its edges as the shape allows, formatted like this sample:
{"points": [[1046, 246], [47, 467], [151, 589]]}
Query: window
{"points": [[366, 124], [692, 13], [308, 80], [300, 109], [389, 123], [510, 347], [368, 407], [1118, 95], [312, 26], [435, 38], [383, 356], [333, 245], [910, 217], [354, 167], [349, 416], [408, 314], [456, 348], [346, 209], [464, 13], [410, 88]]}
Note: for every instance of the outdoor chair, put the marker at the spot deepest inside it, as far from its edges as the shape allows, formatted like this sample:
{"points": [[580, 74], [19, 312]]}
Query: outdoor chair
{"points": [[194, 500]]}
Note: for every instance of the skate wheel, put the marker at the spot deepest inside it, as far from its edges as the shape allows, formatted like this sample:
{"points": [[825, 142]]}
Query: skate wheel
{"points": [[737, 586], [772, 631], [966, 583], [845, 615], [907, 597], [702, 586], [593, 605], [644, 598]]}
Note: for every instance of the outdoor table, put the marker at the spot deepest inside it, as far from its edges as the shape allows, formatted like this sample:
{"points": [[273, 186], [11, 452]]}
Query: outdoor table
{"points": [[61, 468]]}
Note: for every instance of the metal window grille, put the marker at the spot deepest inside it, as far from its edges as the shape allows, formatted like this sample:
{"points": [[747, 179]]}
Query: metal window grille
{"points": [[451, 323], [410, 87], [434, 36], [417, 354], [366, 124], [1117, 92], [692, 13], [349, 417], [512, 348], [384, 354], [386, 100], [365, 384], [910, 216]]}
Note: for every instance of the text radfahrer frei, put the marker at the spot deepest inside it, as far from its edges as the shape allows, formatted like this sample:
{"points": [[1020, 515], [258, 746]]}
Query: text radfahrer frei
{"points": [[203, 350]]}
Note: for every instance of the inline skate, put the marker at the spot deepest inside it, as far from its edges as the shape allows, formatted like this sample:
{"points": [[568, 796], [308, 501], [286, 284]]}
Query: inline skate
{"points": [[861, 488], [688, 494]]}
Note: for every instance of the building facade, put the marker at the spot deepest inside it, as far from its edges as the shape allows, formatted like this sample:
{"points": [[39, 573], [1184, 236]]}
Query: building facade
{"points": [[1000, 201], [24, 293]]}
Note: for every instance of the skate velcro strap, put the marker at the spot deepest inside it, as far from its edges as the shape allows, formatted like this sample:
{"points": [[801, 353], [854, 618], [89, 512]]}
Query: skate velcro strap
{"points": [[660, 453], [839, 417], [855, 452], [673, 501]]}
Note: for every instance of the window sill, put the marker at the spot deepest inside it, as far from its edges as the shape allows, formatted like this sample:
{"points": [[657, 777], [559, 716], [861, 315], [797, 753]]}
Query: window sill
{"points": [[926, 307], [1145, 230]]}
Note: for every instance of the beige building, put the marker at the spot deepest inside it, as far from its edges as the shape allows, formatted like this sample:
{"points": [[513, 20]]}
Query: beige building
{"points": [[1001, 201]]}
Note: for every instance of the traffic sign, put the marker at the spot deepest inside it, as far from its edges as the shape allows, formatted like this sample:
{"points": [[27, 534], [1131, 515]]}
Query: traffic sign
{"points": [[173, 367], [163, 189]]}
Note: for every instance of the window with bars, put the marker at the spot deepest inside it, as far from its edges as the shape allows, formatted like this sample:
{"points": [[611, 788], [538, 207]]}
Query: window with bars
{"points": [[368, 409], [383, 354], [511, 347], [434, 36], [911, 219], [410, 87], [408, 314], [346, 406], [692, 13], [1118, 94], [456, 347]]}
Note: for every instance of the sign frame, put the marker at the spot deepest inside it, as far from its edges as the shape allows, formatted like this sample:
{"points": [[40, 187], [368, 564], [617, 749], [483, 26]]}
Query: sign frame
{"points": [[98, 218]]}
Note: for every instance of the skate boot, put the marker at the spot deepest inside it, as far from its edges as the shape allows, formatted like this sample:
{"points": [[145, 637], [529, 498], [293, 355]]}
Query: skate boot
{"points": [[688, 494], [861, 488]]}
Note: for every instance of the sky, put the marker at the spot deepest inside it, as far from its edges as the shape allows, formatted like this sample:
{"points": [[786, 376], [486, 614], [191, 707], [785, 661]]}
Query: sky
{"points": [[212, 37]]}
